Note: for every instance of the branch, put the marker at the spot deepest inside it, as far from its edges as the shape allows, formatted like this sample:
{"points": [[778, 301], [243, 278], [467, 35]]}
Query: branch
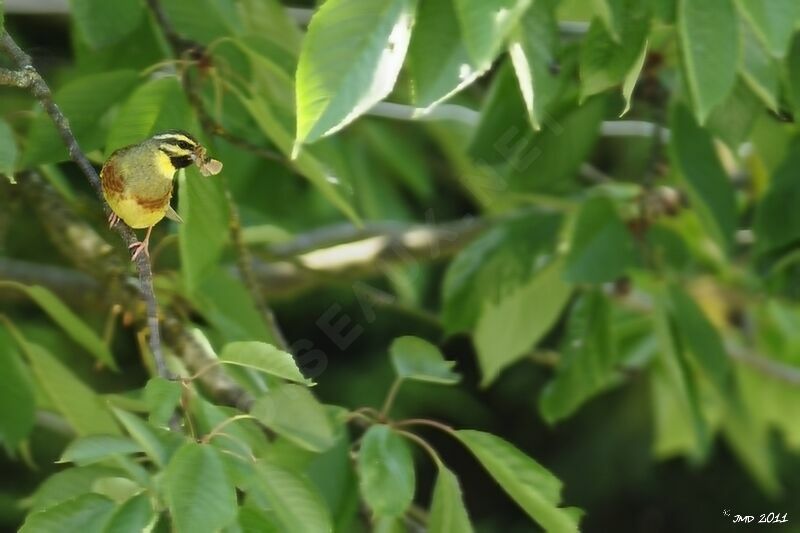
{"points": [[39, 89]]}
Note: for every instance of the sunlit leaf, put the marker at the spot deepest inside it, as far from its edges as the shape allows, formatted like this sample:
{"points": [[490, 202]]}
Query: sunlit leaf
{"points": [[509, 329], [485, 24], [349, 61], [532, 486], [265, 358], [417, 359], [774, 22]]}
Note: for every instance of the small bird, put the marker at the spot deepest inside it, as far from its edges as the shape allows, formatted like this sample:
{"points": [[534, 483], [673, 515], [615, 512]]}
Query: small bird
{"points": [[137, 180]]}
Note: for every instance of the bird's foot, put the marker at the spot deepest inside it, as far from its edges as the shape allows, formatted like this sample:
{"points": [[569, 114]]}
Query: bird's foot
{"points": [[112, 220], [139, 248]]}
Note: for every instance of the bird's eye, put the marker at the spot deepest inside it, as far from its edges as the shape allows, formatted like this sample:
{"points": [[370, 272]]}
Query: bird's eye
{"points": [[185, 145]]}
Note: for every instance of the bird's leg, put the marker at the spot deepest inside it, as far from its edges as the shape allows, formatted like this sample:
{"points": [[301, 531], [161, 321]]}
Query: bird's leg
{"points": [[141, 247], [112, 219]]}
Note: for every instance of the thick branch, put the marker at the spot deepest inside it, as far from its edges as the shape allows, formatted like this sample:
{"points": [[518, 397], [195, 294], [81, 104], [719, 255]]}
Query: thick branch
{"points": [[38, 87]]}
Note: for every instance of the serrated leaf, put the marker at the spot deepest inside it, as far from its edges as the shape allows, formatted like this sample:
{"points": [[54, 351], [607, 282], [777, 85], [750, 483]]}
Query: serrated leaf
{"points": [[8, 146], [774, 22], [102, 23], [709, 187], [162, 397], [386, 472], [601, 248], [155, 106], [198, 492], [447, 513], [264, 358], [292, 412], [71, 323], [350, 60], [532, 49], [485, 24], [508, 330], [709, 37], [87, 513], [85, 102], [133, 516], [438, 62], [531, 485], [296, 504], [417, 359], [589, 359], [94, 448]]}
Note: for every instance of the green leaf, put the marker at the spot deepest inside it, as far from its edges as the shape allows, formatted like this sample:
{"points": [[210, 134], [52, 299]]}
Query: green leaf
{"points": [[102, 23], [733, 121], [94, 448], [133, 516], [702, 341], [485, 24], [793, 74], [386, 472], [87, 513], [612, 13], [292, 412], [158, 444], [162, 397], [17, 399], [198, 492], [709, 37], [532, 48], [8, 146], [295, 502], [155, 106], [350, 60], [83, 408], [447, 513], [71, 323], [308, 165], [203, 20], [680, 426], [67, 485], [405, 156], [85, 102], [759, 70], [531, 485], [605, 63], [264, 358], [499, 261], [709, 187], [438, 62], [509, 329], [629, 84], [774, 22], [204, 234], [601, 248], [119, 489], [589, 359], [777, 223], [417, 359]]}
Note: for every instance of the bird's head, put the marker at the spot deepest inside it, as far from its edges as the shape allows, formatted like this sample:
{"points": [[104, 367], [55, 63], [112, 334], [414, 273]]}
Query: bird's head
{"points": [[182, 149]]}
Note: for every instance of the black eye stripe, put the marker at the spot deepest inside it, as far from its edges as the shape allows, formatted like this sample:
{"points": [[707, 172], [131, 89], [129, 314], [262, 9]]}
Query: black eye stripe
{"points": [[185, 145]]}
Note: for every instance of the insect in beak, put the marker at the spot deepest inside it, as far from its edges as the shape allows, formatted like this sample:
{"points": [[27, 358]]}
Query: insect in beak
{"points": [[207, 166]]}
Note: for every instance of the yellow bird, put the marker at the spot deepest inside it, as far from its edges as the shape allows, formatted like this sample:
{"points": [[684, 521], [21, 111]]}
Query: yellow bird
{"points": [[137, 180]]}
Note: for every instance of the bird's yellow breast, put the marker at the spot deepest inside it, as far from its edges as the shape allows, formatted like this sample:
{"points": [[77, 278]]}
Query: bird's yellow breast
{"points": [[137, 184]]}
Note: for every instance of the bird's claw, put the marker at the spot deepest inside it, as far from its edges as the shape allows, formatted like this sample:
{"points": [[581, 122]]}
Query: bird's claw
{"points": [[139, 248], [112, 220]]}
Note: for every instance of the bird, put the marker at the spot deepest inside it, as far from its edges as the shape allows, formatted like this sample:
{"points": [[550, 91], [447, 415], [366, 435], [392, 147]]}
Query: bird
{"points": [[137, 180]]}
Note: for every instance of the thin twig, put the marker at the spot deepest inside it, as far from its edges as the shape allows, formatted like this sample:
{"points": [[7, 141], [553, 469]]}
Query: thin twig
{"points": [[40, 90]]}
